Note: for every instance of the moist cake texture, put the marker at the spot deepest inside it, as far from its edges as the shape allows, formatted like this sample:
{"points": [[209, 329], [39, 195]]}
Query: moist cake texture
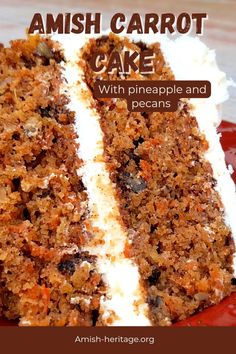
{"points": [[45, 277], [107, 217], [166, 195]]}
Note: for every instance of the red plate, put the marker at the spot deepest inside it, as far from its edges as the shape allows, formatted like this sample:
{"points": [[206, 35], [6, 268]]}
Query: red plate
{"points": [[223, 314]]}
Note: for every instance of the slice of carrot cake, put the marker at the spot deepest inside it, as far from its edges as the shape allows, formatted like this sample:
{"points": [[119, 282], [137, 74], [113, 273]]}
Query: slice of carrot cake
{"points": [[110, 217]]}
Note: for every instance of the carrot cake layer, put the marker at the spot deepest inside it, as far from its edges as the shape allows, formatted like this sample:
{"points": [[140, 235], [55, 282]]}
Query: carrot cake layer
{"points": [[46, 276], [171, 198]]}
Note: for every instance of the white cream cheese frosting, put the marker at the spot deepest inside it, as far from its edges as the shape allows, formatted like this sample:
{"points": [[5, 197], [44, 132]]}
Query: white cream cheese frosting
{"points": [[125, 300], [189, 59]]}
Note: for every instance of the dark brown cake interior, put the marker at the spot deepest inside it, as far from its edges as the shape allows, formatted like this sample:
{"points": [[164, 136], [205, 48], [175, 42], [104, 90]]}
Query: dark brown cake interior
{"points": [[43, 203]]}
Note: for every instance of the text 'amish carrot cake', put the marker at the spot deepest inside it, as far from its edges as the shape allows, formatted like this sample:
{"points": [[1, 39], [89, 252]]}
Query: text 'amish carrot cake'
{"points": [[110, 217]]}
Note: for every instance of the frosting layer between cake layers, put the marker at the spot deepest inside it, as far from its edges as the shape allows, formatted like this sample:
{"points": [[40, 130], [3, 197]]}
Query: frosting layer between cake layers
{"points": [[124, 302]]}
